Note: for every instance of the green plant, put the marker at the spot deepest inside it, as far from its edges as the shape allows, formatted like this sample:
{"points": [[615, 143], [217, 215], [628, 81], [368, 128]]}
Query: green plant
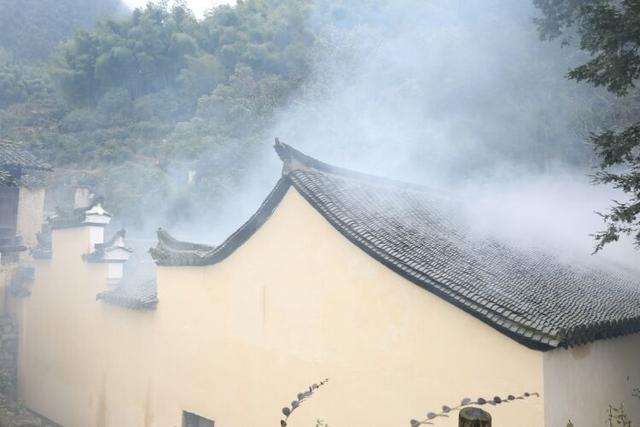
{"points": [[300, 398]]}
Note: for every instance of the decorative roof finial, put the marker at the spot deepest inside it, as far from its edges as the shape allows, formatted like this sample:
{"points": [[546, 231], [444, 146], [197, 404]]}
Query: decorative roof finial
{"points": [[293, 159]]}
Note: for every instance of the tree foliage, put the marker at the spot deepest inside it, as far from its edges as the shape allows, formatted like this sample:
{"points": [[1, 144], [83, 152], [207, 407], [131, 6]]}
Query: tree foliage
{"points": [[31, 29], [20, 82], [160, 90], [142, 54], [134, 101], [608, 32], [161, 47]]}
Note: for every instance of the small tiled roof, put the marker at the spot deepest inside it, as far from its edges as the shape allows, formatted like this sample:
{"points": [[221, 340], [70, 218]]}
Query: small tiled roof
{"points": [[14, 155], [129, 294], [171, 251], [527, 294]]}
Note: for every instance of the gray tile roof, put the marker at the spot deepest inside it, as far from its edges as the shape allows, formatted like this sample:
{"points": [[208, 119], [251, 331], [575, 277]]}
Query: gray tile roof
{"points": [[14, 155], [525, 293], [133, 295], [173, 251], [31, 180]]}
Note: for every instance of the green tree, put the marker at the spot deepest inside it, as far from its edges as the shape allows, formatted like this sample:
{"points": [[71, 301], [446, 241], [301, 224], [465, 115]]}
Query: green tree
{"points": [[31, 29], [142, 54], [158, 92], [607, 30]]}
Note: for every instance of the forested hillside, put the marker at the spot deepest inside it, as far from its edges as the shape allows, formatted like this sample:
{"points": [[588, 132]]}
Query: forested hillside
{"points": [[31, 29], [133, 102], [106, 106]]}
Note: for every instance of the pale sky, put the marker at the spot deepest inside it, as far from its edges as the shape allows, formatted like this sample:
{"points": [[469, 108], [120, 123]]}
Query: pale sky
{"points": [[198, 6]]}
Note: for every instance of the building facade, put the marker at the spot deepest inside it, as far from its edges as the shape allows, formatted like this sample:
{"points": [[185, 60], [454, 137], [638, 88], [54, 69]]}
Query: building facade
{"points": [[339, 275], [22, 193]]}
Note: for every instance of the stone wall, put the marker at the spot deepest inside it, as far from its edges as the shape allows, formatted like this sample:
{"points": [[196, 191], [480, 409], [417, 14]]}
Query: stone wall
{"points": [[8, 355]]}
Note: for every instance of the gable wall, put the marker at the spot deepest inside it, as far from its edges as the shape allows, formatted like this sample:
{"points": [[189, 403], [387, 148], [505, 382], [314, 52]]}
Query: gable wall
{"points": [[236, 341]]}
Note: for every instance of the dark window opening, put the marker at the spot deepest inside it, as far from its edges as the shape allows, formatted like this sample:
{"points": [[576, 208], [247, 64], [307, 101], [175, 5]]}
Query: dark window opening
{"points": [[8, 213], [193, 420]]}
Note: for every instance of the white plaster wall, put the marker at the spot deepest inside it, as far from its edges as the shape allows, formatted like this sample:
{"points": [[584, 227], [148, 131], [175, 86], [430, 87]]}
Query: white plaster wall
{"points": [[580, 383], [30, 214], [96, 236]]}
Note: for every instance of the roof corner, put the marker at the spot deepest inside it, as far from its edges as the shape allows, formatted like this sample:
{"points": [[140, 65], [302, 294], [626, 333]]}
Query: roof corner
{"points": [[293, 159]]}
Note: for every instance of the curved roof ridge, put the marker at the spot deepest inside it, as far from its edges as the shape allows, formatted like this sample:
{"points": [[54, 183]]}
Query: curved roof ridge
{"points": [[167, 240], [294, 159], [170, 251]]}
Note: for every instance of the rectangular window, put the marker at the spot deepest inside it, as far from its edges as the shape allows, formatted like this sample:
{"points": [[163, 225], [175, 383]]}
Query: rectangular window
{"points": [[193, 420], [8, 212]]}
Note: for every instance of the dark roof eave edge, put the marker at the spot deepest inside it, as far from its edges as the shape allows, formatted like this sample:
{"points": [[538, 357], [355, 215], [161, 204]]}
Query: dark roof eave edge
{"points": [[130, 305], [235, 240]]}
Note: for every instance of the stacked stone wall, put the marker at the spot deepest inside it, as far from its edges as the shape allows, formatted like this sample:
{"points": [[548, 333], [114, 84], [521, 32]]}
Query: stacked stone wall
{"points": [[8, 355]]}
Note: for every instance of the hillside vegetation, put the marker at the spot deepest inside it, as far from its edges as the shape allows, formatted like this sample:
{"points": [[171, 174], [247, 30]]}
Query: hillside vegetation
{"points": [[131, 102], [108, 103], [31, 29]]}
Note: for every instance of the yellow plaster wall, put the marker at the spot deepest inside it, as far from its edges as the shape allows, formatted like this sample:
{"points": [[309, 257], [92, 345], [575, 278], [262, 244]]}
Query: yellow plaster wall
{"points": [[236, 341], [81, 363]]}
